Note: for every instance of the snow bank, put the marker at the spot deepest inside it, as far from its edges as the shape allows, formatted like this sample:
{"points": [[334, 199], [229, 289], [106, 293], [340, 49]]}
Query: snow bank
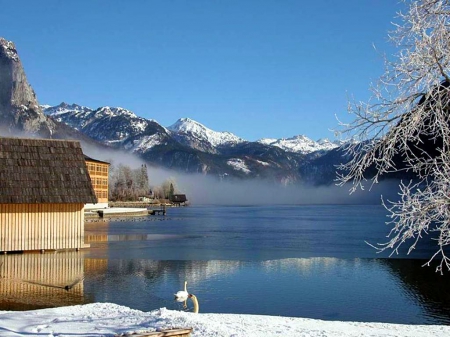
{"points": [[107, 319]]}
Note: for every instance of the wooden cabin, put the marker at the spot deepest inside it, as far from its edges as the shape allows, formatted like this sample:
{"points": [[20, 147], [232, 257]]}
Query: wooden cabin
{"points": [[44, 185], [98, 171], [178, 199]]}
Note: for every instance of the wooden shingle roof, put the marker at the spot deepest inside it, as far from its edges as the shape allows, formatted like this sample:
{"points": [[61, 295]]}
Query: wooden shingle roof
{"points": [[36, 171], [87, 158]]}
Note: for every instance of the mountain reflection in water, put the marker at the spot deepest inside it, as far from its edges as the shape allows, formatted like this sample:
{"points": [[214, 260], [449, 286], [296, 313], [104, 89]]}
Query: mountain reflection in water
{"points": [[325, 288], [306, 261]]}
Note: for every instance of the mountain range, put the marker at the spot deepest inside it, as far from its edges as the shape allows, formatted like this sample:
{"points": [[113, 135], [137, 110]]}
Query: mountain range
{"points": [[124, 124], [186, 145], [190, 146]]}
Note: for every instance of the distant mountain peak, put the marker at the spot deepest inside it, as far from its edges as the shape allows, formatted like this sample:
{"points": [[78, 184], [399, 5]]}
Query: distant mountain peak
{"points": [[9, 49], [186, 124], [299, 144], [192, 133], [116, 111], [188, 120]]}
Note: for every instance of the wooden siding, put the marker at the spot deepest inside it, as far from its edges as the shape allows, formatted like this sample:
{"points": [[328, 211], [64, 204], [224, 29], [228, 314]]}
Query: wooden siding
{"points": [[98, 171], [31, 281], [41, 227]]}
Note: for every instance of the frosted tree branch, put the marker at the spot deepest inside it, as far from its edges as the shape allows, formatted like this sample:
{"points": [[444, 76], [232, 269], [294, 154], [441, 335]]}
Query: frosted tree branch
{"points": [[405, 126]]}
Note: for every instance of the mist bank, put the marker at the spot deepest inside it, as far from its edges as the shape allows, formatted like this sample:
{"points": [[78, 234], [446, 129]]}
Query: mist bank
{"points": [[202, 189], [207, 191]]}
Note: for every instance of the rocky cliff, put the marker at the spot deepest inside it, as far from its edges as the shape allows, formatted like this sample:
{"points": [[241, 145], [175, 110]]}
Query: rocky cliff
{"points": [[19, 108]]}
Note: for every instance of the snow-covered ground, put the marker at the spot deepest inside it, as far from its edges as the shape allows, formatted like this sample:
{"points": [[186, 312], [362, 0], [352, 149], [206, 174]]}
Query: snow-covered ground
{"points": [[106, 319]]}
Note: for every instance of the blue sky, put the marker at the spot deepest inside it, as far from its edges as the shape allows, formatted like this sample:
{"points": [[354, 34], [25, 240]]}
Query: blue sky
{"points": [[257, 68]]}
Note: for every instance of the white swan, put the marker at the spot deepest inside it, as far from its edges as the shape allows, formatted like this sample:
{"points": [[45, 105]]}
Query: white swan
{"points": [[182, 295], [195, 301]]}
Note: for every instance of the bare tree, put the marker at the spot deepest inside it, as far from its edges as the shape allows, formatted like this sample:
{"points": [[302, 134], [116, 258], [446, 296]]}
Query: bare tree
{"points": [[158, 192], [405, 126]]}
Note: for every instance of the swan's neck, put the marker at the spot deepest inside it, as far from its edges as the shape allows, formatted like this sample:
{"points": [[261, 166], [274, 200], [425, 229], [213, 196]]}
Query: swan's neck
{"points": [[195, 301], [185, 286]]}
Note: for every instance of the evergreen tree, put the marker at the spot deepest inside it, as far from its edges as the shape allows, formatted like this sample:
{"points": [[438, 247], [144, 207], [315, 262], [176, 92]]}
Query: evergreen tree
{"points": [[171, 192]]}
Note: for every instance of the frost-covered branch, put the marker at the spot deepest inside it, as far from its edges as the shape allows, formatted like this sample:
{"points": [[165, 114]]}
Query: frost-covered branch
{"points": [[405, 126]]}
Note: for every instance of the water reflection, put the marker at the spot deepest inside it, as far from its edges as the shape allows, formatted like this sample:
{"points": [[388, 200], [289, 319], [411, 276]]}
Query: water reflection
{"points": [[429, 288], [33, 281], [99, 232], [380, 290]]}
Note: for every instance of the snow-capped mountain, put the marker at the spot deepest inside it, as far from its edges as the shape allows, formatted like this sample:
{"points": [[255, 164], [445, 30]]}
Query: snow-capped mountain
{"points": [[106, 124], [71, 114], [300, 144], [198, 136], [115, 126], [186, 145], [191, 146]]}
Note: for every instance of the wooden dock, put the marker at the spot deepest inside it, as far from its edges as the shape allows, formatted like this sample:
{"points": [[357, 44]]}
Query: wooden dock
{"points": [[167, 333], [157, 211], [119, 211]]}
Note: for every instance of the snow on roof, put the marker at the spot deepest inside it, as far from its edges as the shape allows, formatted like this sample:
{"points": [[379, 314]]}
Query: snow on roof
{"points": [[107, 319]]}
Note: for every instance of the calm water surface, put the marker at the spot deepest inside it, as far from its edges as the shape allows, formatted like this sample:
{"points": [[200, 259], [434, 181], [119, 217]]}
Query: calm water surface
{"points": [[303, 261]]}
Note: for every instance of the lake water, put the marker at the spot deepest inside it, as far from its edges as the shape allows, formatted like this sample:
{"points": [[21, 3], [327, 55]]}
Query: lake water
{"points": [[302, 261]]}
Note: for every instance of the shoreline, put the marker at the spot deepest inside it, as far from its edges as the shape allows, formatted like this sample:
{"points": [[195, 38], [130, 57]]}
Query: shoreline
{"points": [[109, 319], [143, 204], [129, 209]]}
